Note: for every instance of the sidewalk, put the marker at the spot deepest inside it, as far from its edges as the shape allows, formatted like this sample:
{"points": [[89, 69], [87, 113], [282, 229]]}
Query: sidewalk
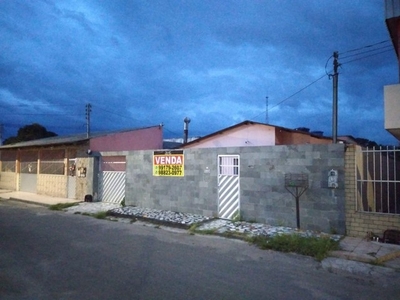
{"points": [[359, 250], [357, 255], [34, 198]]}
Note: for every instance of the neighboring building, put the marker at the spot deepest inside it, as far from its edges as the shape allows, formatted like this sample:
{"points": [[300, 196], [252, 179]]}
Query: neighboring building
{"points": [[74, 166], [348, 140], [250, 133], [176, 142], [392, 92]]}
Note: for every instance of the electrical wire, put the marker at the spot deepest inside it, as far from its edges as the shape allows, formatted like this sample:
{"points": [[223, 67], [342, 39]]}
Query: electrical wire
{"points": [[165, 128], [346, 62], [291, 96], [326, 65], [363, 57], [368, 51], [114, 113], [299, 91], [364, 47]]}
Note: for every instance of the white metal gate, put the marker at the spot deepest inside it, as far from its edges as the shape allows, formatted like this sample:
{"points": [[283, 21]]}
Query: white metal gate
{"points": [[112, 179], [28, 171], [228, 187]]}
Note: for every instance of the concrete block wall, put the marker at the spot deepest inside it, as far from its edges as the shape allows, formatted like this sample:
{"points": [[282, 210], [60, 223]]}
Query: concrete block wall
{"points": [[358, 224], [263, 197], [196, 192]]}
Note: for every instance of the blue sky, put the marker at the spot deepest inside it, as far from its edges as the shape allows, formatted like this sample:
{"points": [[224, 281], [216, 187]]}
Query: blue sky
{"points": [[142, 63]]}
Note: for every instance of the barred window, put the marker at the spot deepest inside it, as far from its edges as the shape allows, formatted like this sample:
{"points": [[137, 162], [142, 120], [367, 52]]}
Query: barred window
{"points": [[28, 161], [52, 162], [378, 180], [8, 159], [229, 165]]}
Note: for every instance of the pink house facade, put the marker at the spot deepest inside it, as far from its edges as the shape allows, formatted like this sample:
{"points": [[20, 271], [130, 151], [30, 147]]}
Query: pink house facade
{"points": [[143, 139]]}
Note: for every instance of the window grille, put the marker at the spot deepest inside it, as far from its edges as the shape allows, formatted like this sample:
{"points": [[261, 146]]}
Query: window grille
{"points": [[378, 180], [8, 159], [28, 162], [52, 162], [228, 165]]}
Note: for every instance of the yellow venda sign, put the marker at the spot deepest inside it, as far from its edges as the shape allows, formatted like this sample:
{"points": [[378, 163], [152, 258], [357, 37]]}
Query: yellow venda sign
{"points": [[168, 163]]}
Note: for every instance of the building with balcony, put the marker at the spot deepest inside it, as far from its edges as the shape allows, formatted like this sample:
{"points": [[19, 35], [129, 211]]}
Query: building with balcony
{"points": [[392, 92]]}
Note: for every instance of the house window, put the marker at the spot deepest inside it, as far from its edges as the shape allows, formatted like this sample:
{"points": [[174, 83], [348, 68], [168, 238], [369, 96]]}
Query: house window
{"points": [[378, 180], [52, 162], [228, 165], [28, 162], [8, 158]]}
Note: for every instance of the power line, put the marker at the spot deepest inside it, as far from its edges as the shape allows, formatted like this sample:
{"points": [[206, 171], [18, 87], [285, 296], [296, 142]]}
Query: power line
{"points": [[368, 51], [364, 47], [114, 113], [366, 56], [291, 96], [299, 91]]}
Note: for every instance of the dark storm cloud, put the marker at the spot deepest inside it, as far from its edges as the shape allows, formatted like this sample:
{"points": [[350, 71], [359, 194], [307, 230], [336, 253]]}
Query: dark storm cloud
{"points": [[141, 63]]}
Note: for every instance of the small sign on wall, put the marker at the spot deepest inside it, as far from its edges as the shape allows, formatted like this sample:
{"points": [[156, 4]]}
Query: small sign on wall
{"points": [[168, 163]]}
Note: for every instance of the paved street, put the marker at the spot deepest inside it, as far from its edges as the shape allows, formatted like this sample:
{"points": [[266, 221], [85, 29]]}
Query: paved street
{"points": [[55, 255]]}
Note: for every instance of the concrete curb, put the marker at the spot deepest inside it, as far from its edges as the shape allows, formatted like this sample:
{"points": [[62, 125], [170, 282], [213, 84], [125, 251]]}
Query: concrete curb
{"points": [[388, 257], [337, 265], [27, 201]]}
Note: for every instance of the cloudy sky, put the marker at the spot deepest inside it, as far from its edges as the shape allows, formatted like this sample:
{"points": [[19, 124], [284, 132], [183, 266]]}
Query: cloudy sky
{"points": [[142, 63]]}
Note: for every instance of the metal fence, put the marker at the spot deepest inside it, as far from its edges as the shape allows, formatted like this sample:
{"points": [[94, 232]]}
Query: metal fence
{"points": [[378, 180]]}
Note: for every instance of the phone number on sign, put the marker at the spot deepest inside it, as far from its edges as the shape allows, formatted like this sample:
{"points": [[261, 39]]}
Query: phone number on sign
{"points": [[169, 170]]}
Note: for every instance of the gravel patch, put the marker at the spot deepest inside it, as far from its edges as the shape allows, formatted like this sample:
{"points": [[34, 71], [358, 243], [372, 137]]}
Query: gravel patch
{"points": [[185, 220]]}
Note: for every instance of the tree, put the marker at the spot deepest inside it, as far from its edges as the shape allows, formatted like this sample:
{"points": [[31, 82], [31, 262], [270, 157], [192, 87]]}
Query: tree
{"points": [[31, 132]]}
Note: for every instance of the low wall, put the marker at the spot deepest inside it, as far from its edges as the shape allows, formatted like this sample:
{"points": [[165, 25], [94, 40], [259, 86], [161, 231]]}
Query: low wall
{"points": [[52, 185], [263, 197], [8, 181]]}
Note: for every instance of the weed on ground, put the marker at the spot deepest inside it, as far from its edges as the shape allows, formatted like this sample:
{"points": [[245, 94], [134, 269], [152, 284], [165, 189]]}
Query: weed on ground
{"points": [[316, 247], [100, 215], [61, 206]]}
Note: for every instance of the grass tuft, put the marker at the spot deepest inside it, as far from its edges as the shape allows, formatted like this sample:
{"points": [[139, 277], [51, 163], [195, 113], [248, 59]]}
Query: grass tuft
{"points": [[310, 246], [208, 231], [194, 227], [100, 215], [61, 206]]}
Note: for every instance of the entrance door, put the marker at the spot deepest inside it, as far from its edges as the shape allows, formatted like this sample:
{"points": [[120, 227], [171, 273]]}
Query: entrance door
{"points": [[228, 187], [112, 179]]}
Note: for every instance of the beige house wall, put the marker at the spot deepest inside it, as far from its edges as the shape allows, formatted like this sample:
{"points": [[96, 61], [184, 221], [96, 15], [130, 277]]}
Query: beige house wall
{"points": [[358, 224], [8, 180], [52, 185]]}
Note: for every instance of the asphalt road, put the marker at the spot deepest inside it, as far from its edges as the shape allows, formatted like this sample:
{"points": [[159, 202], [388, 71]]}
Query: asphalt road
{"points": [[55, 255]]}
